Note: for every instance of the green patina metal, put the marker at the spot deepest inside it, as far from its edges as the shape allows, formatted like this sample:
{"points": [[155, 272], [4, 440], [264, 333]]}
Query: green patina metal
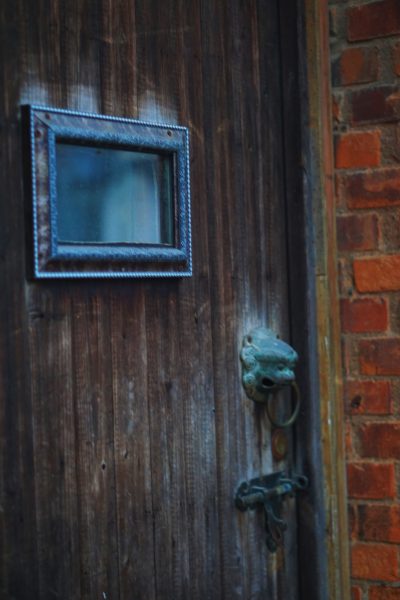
{"points": [[269, 491], [268, 367]]}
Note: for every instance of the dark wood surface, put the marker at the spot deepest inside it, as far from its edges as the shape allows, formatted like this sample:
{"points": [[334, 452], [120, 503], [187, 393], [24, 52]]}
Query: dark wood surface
{"points": [[123, 424], [302, 298]]}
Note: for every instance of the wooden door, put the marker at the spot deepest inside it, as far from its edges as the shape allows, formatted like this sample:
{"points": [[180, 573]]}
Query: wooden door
{"points": [[125, 429]]}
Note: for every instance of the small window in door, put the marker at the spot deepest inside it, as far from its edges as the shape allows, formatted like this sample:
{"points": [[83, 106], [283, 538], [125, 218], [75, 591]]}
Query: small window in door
{"points": [[110, 197]]}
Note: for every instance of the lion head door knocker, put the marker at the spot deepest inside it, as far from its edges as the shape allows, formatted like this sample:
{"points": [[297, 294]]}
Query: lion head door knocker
{"points": [[268, 367]]}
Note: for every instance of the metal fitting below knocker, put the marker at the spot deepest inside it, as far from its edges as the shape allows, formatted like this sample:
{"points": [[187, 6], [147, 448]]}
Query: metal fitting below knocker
{"points": [[268, 367]]}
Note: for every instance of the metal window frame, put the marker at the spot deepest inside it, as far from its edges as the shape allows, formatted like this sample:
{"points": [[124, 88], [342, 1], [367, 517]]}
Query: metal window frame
{"points": [[103, 260]]}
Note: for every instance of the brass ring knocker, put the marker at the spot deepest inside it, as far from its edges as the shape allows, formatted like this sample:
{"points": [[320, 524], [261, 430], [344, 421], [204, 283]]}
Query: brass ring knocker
{"points": [[293, 418]]}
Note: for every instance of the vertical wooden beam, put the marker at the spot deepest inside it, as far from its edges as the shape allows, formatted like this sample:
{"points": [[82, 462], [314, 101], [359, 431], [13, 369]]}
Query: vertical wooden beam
{"points": [[312, 564], [321, 170]]}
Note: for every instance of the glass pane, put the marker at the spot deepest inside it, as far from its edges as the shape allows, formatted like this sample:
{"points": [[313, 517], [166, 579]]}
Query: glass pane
{"points": [[113, 196]]}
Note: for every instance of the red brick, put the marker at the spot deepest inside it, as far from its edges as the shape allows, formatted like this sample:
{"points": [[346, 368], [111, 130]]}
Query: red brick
{"points": [[368, 397], [379, 523], [378, 562], [357, 232], [380, 356], [345, 356], [341, 267], [375, 19], [376, 188], [397, 143], [383, 593], [337, 106], [396, 58], [363, 314], [376, 104], [380, 440], [358, 149], [377, 274], [352, 520], [338, 185], [370, 480], [332, 21], [356, 593], [356, 65], [345, 272], [348, 437]]}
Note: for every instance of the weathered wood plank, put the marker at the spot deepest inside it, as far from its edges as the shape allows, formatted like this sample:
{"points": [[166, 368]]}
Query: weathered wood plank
{"points": [[94, 434], [80, 42], [318, 148], [194, 326], [278, 292], [18, 533], [132, 443], [252, 428], [49, 310], [303, 310], [80, 33], [171, 545], [54, 441], [120, 29], [66, 63], [249, 201], [218, 191]]}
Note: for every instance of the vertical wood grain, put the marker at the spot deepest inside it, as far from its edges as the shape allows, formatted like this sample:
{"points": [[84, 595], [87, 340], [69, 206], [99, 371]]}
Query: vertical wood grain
{"points": [[94, 440], [171, 544], [124, 427], [54, 442], [194, 328], [303, 306], [132, 443], [18, 531], [50, 322], [320, 151], [79, 42], [276, 256], [245, 194], [218, 190]]}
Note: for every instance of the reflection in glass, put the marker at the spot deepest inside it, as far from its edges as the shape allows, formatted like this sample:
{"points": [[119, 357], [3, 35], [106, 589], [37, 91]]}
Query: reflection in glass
{"points": [[113, 196]]}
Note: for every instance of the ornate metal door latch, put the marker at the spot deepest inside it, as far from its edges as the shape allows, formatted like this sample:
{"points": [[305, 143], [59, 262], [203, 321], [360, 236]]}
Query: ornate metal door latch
{"points": [[269, 491], [268, 367]]}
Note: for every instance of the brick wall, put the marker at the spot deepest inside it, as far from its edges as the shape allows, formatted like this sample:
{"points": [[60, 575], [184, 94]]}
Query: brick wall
{"points": [[365, 53]]}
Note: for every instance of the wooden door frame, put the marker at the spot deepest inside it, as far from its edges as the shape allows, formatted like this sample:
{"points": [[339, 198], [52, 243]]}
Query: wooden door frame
{"points": [[313, 285]]}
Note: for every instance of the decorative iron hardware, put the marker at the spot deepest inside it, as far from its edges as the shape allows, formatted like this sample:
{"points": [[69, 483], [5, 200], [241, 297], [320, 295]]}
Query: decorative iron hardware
{"points": [[269, 491], [268, 367]]}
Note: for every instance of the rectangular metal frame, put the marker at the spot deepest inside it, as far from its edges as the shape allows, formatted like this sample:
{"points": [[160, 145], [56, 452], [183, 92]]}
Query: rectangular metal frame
{"points": [[51, 260]]}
